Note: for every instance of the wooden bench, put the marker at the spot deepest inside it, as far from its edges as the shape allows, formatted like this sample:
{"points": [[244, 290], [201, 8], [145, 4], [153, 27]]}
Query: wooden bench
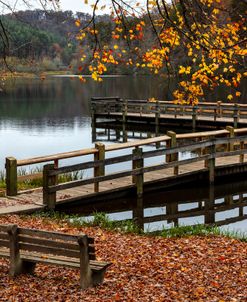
{"points": [[26, 247]]}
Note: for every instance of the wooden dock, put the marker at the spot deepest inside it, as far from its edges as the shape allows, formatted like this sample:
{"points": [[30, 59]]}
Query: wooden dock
{"points": [[213, 155], [165, 113]]}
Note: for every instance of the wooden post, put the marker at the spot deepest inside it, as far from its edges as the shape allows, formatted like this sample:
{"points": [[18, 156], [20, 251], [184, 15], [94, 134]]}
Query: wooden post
{"points": [[228, 199], [137, 164], [56, 163], [173, 144], [206, 150], [219, 111], [182, 110], [11, 176], [138, 213], [117, 134], [109, 135], [157, 117], [172, 209], [93, 118], [100, 170], [194, 117], [241, 208], [125, 134], [209, 206], [235, 115], [108, 107], [125, 111], [211, 163], [230, 146], [117, 104], [241, 156], [49, 199], [94, 133], [165, 107], [85, 271]]}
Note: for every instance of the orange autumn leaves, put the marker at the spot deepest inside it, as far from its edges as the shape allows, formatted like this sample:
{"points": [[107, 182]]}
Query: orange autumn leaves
{"points": [[144, 269], [211, 50]]}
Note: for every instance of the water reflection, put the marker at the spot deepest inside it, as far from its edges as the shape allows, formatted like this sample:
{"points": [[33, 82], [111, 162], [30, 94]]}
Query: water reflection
{"points": [[119, 133], [222, 205]]}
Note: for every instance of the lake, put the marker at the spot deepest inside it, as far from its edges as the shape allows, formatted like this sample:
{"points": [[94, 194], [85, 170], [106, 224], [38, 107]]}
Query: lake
{"points": [[39, 118], [53, 115]]}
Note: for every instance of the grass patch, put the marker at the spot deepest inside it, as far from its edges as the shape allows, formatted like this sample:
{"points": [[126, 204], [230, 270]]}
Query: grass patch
{"points": [[101, 220], [199, 230], [37, 182]]}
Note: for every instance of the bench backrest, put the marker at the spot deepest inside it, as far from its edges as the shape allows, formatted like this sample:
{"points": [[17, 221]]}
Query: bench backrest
{"points": [[53, 243], [45, 242]]}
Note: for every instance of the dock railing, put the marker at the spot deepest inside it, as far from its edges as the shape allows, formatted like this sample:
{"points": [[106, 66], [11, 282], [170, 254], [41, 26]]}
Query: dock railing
{"points": [[99, 151], [212, 149], [213, 111]]}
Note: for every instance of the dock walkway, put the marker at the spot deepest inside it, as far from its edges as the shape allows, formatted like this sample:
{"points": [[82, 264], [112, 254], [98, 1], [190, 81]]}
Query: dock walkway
{"points": [[212, 155]]}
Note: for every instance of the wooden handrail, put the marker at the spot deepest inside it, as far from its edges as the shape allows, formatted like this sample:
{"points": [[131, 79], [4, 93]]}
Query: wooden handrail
{"points": [[204, 104], [59, 156], [147, 154], [203, 134]]}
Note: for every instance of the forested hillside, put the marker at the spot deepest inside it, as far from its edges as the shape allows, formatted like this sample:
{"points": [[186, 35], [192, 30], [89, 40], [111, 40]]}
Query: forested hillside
{"points": [[40, 40], [44, 40]]}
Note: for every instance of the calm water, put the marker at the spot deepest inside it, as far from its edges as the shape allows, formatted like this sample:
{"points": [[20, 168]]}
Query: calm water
{"points": [[224, 205], [52, 116]]}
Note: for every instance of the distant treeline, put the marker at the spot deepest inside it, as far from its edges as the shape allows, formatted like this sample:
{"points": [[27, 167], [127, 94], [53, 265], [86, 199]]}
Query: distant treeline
{"points": [[46, 40]]}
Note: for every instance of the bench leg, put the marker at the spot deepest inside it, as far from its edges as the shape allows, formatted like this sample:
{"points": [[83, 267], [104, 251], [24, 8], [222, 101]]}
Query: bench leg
{"points": [[85, 280], [15, 267], [21, 267], [85, 270], [98, 277]]}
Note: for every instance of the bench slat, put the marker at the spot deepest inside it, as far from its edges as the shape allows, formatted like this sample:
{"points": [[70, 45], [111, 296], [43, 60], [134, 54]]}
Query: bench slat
{"points": [[52, 243], [4, 227], [25, 254], [48, 242], [48, 250], [4, 253], [73, 263], [4, 243], [4, 236], [52, 235], [51, 251]]}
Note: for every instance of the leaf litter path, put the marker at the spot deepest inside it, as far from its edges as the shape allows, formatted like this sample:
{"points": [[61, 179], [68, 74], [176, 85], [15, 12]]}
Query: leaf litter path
{"points": [[32, 201], [144, 269], [22, 203]]}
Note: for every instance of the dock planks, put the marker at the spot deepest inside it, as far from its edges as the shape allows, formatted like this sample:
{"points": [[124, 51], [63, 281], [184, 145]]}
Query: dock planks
{"points": [[27, 202]]}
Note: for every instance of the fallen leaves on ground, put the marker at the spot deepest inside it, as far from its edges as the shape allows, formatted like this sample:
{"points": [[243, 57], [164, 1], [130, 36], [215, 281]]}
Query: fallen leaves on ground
{"points": [[143, 269]]}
